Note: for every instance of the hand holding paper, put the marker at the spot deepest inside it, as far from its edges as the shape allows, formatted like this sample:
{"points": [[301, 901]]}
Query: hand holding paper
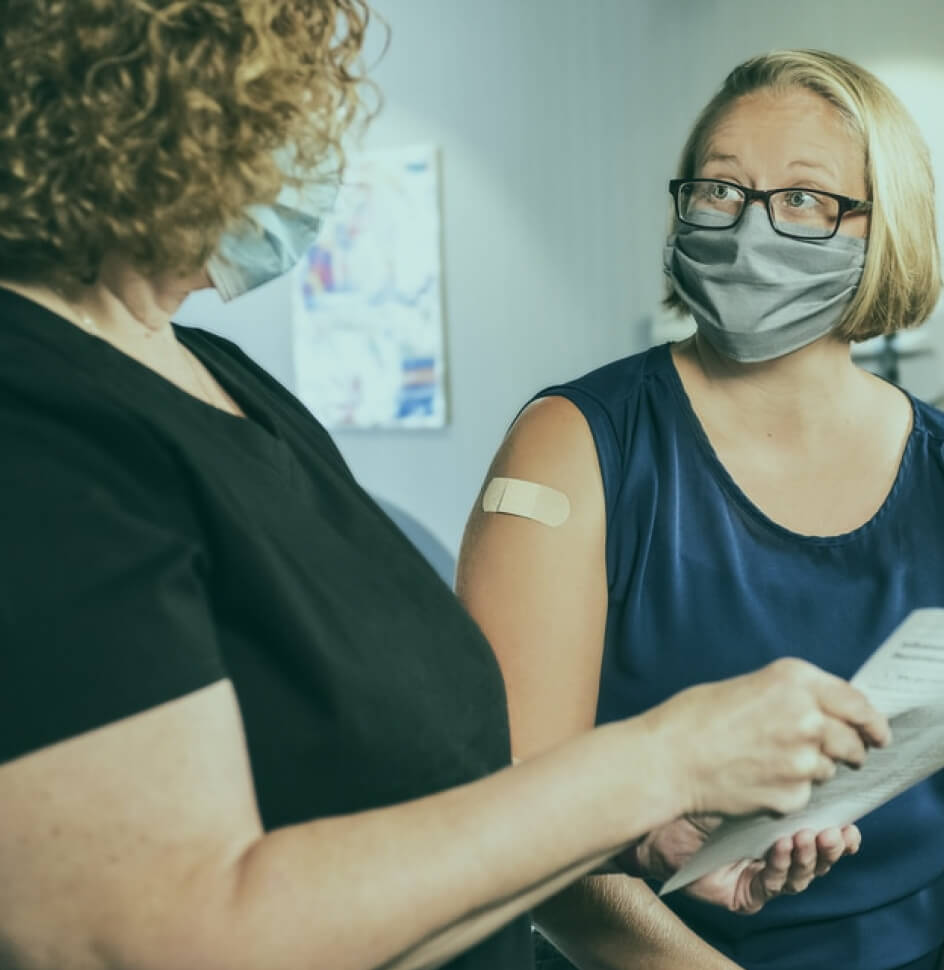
{"points": [[904, 679], [758, 742], [746, 885]]}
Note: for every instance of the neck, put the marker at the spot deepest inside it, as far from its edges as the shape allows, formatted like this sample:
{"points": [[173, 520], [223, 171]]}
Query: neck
{"points": [[121, 305], [798, 391]]}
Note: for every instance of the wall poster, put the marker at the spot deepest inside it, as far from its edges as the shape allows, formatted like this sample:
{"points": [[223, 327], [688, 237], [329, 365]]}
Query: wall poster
{"points": [[367, 301]]}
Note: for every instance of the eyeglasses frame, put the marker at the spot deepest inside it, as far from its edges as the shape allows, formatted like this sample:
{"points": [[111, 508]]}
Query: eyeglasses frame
{"points": [[846, 204]]}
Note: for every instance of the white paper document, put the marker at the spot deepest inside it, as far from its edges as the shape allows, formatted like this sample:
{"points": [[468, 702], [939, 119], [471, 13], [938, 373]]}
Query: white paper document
{"points": [[904, 679]]}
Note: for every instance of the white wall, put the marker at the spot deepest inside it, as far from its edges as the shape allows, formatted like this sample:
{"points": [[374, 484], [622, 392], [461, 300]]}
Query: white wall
{"points": [[559, 123]]}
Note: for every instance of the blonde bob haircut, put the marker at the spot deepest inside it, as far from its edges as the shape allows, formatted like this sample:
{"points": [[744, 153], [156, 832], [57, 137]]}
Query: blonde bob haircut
{"points": [[901, 280], [148, 127]]}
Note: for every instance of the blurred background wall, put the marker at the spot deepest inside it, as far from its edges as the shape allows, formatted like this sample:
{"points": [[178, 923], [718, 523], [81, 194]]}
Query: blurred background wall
{"points": [[559, 123]]}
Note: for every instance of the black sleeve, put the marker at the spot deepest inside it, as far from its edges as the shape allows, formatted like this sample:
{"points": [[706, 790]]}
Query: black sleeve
{"points": [[103, 602]]}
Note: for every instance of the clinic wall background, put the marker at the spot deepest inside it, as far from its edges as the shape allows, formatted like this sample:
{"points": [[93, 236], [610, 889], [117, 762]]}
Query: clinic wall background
{"points": [[559, 123]]}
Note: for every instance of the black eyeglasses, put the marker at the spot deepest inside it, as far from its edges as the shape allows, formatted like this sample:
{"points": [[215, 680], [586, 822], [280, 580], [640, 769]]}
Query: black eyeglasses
{"points": [[798, 213]]}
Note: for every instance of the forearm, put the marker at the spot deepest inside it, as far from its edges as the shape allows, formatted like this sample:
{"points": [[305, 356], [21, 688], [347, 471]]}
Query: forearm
{"points": [[455, 939], [612, 922], [434, 876]]}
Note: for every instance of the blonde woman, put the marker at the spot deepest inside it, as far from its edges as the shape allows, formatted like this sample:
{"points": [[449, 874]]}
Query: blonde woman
{"points": [[743, 495]]}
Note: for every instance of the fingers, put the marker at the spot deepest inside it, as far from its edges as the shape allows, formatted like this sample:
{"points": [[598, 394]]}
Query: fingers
{"points": [[789, 798], [825, 767], [772, 735], [852, 838], [767, 879], [830, 848], [814, 854], [842, 701], [777, 864], [839, 742], [807, 764], [792, 863], [832, 714], [804, 862]]}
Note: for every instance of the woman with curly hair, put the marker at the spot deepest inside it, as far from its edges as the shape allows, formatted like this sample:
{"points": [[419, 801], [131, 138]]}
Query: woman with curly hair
{"points": [[243, 725]]}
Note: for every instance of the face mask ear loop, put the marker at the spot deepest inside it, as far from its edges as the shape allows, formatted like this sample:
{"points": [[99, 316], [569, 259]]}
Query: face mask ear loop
{"points": [[221, 278]]}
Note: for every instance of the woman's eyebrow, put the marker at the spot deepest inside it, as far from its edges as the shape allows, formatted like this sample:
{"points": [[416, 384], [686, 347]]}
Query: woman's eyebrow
{"points": [[817, 166], [719, 157]]}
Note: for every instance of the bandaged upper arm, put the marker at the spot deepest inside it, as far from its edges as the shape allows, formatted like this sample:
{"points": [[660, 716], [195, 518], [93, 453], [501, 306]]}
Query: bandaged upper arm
{"points": [[514, 496]]}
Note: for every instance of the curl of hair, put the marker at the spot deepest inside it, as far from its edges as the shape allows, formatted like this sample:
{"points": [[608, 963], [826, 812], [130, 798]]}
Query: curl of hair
{"points": [[147, 127], [901, 281]]}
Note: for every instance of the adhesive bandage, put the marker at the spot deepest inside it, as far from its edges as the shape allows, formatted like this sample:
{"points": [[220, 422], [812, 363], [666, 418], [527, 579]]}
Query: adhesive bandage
{"points": [[513, 496]]}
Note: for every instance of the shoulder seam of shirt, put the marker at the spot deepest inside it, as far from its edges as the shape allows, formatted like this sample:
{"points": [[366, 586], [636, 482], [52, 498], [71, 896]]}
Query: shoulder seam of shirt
{"points": [[921, 409]]}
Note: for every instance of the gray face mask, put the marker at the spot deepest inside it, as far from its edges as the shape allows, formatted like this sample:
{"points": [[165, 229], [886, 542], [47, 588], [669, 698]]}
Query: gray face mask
{"points": [[757, 295], [272, 241]]}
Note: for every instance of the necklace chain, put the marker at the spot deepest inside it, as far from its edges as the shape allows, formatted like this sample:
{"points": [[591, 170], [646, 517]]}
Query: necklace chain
{"points": [[213, 395], [208, 390]]}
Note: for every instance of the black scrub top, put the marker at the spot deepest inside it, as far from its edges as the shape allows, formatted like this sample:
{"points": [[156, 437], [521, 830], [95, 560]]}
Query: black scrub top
{"points": [[153, 545]]}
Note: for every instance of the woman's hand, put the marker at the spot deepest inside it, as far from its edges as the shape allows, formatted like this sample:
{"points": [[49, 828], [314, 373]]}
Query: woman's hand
{"points": [[790, 865], [758, 742]]}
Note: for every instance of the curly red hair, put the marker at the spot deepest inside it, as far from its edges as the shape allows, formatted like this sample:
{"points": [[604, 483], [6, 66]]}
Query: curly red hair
{"points": [[149, 126]]}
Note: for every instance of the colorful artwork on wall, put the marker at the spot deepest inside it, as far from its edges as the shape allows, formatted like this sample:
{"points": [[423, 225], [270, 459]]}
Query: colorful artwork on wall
{"points": [[367, 315]]}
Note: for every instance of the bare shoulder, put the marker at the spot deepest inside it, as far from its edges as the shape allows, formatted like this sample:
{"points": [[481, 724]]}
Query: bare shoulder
{"points": [[551, 433], [551, 444]]}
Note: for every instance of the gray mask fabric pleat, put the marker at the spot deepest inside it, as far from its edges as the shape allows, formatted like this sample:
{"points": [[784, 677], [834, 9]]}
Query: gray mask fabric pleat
{"points": [[757, 295], [272, 239]]}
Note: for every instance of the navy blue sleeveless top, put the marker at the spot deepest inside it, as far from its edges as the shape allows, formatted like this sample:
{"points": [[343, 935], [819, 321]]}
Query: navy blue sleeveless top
{"points": [[703, 586]]}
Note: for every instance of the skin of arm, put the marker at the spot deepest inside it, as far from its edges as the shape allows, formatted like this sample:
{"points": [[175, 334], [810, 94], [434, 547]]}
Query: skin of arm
{"points": [[631, 926], [539, 594], [139, 845]]}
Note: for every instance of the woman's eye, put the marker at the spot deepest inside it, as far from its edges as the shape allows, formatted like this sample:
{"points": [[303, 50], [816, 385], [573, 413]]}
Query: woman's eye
{"points": [[719, 192], [799, 200]]}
